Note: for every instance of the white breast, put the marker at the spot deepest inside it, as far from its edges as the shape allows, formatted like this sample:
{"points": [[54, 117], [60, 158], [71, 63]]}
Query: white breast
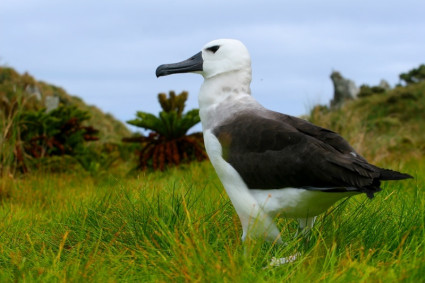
{"points": [[254, 220]]}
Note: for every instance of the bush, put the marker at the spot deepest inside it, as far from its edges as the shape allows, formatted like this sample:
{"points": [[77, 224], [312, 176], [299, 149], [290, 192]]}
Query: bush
{"points": [[31, 136], [168, 142], [414, 75], [366, 90]]}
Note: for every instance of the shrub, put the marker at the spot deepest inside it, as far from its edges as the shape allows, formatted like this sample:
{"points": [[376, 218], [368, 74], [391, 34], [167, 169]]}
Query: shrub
{"points": [[414, 75], [30, 136], [366, 90], [57, 132], [168, 142]]}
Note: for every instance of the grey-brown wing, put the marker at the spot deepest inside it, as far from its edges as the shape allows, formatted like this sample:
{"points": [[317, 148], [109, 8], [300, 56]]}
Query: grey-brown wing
{"points": [[271, 154]]}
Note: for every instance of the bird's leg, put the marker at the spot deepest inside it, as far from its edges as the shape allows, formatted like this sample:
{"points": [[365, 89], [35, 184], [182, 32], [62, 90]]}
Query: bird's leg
{"points": [[260, 226], [305, 227]]}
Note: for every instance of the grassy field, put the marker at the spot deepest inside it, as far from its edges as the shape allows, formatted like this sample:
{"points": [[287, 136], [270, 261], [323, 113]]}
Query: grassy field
{"points": [[108, 225], [180, 226]]}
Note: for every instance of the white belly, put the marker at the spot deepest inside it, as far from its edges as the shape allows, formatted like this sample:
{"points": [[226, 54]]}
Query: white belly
{"points": [[253, 218], [296, 203]]}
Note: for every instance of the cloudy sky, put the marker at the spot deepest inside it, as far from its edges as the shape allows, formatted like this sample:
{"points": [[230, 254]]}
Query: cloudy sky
{"points": [[107, 51]]}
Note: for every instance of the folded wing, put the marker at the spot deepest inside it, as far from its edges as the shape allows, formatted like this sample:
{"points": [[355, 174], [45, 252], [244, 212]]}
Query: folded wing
{"points": [[277, 151]]}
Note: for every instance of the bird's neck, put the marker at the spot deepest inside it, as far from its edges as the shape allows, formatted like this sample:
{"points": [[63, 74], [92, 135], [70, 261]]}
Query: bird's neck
{"points": [[219, 88], [224, 96]]}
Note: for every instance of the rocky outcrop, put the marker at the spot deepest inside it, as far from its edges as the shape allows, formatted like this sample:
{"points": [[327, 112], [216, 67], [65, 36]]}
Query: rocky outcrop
{"points": [[51, 103], [344, 89], [384, 85]]}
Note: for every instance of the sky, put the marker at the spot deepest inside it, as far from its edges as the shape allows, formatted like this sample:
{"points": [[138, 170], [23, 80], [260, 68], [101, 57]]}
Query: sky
{"points": [[106, 52]]}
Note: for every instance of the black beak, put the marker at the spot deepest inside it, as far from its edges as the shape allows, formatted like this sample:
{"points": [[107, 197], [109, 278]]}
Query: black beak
{"points": [[192, 64]]}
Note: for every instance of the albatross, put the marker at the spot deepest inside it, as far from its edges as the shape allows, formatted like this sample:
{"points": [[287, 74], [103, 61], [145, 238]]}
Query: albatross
{"points": [[269, 163]]}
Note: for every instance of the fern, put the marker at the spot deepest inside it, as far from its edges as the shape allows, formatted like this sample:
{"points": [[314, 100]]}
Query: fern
{"points": [[168, 142]]}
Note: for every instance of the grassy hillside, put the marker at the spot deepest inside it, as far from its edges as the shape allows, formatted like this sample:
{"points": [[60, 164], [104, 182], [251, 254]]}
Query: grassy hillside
{"points": [[11, 83], [385, 127], [179, 225]]}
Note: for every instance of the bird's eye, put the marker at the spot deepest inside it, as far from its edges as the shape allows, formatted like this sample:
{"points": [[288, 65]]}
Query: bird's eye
{"points": [[213, 49]]}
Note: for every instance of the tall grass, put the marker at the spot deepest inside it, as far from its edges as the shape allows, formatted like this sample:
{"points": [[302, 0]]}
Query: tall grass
{"points": [[180, 226], [386, 128], [10, 146]]}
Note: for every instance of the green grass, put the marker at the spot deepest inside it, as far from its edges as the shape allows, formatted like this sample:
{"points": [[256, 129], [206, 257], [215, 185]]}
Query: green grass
{"points": [[384, 127], [108, 226], [180, 226]]}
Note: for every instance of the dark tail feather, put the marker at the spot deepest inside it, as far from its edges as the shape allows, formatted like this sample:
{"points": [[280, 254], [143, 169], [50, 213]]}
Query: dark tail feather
{"points": [[387, 174]]}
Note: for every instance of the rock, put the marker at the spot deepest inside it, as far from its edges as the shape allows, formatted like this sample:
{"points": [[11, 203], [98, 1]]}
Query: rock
{"points": [[51, 103], [33, 90], [344, 89], [384, 84]]}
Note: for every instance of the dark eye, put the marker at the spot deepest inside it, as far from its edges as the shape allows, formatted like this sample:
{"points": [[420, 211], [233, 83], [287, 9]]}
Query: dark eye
{"points": [[214, 48]]}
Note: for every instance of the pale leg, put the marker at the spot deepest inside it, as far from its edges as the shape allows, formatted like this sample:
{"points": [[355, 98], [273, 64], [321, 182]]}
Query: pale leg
{"points": [[306, 224]]}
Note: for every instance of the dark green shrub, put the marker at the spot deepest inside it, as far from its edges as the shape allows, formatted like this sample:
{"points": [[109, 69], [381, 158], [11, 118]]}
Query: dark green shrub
{"points": [[366, 90], [168, 142], [59, 132], [414, 75]]}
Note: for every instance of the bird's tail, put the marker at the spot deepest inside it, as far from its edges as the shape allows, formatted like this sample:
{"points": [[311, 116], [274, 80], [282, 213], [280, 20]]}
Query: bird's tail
{"points": [[387, 174]]}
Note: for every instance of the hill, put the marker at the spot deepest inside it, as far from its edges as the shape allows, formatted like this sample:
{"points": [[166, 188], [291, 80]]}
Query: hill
{"points": [[384, 126], [41, 94], [180, 226]]}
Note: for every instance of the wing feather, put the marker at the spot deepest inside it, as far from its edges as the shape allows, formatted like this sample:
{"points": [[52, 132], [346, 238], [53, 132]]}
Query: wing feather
{"points": [[271, 153]]}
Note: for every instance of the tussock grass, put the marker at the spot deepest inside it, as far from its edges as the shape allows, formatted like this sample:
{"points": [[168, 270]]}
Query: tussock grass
{"points": [[180, 226], [386, 128]]}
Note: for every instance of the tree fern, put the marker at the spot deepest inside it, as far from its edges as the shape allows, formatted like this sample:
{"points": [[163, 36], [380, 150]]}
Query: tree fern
{"points": [[168, 142]]}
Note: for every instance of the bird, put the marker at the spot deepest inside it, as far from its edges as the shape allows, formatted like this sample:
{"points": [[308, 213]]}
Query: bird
{"points": [[270, 164]]}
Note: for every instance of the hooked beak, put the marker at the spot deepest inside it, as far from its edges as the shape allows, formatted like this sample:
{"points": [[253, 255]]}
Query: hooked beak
{"points": [[193, 64]]}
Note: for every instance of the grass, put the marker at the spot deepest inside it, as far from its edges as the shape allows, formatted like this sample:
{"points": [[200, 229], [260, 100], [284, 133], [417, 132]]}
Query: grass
{"points": [[108, 226], [180, 226], [385, 127]]}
